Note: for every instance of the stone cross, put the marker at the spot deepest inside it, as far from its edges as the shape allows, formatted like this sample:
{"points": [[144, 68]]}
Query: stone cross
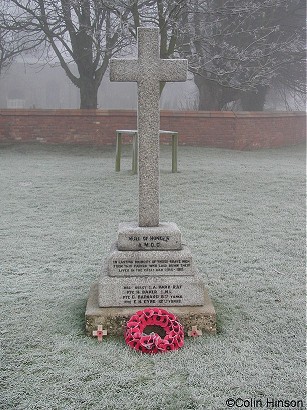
{"points": [[148, 71]]}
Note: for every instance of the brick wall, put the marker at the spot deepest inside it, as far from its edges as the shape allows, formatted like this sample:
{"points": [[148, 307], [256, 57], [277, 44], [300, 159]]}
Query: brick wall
{"points": [[242, 130]]}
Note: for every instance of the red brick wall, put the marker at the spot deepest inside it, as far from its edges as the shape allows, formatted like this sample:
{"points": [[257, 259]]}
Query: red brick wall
{"points": [[242, 130]]}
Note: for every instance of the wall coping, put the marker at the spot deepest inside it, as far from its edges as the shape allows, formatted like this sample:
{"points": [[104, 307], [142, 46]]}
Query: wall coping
{"points": [[164, 113]]}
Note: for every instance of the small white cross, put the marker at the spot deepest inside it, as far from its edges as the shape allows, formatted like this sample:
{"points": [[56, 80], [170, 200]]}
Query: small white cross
{"points": [[99, 333], [195, 332]]}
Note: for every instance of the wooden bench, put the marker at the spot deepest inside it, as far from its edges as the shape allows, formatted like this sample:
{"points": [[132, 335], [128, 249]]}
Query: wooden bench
{"points": [[134, 133]]}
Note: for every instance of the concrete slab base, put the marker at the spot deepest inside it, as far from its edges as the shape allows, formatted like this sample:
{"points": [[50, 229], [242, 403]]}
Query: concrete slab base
{"points": [[114, 319]]}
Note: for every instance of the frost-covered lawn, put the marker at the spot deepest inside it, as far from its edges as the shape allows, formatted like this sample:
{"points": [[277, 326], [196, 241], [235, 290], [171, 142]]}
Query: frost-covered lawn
{"points": [[243, 215]]}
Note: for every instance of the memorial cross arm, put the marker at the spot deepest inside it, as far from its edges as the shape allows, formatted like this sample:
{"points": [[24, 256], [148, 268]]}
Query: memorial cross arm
{"points": [[123, 70]]}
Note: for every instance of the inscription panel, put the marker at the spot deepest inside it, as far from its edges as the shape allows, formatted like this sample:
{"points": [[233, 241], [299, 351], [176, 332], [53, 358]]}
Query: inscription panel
{"points": [[166, 236], [148, 242], [150, 263], [146, 267], [150, 291], [136, 295]]}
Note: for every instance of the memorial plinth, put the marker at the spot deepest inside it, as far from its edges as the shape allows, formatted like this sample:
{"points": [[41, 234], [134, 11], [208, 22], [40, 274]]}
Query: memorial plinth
{"points": [[148, 265]]}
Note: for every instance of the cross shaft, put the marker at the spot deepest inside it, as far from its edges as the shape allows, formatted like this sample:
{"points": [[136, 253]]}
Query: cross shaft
{"points": [[148, 70]]}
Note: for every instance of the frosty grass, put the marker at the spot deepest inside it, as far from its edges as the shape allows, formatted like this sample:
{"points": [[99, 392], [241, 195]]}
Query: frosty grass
{"points": [[243, 216]]}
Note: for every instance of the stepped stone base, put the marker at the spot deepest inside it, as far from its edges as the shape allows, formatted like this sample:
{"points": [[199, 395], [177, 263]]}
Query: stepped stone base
{"points": [[149, 266], [114, 319]]}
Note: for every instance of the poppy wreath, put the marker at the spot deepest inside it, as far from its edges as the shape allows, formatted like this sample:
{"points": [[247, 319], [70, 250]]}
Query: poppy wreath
{"points": [[153, 343]]}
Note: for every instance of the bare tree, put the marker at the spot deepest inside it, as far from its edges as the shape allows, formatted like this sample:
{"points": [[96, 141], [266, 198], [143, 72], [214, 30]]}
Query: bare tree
{"points": [[164, 14], [83, 32], [6, 53], [13, 44], [238, 49]]}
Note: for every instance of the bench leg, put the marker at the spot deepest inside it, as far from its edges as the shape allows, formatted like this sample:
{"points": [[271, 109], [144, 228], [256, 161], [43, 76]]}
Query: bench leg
{"points": [[135, 154], [174, 152], [118, 151]]}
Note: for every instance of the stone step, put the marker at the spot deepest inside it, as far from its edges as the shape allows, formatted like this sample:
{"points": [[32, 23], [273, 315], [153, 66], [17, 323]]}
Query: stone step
{"points": [[150, 263], [166, 236], [114, 319], [150, 291]]}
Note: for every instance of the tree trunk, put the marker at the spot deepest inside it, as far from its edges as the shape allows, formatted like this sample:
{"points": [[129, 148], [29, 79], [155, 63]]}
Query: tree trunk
{"points": [[208, 98], [254, 100], [88, 93], [212, 96]]}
